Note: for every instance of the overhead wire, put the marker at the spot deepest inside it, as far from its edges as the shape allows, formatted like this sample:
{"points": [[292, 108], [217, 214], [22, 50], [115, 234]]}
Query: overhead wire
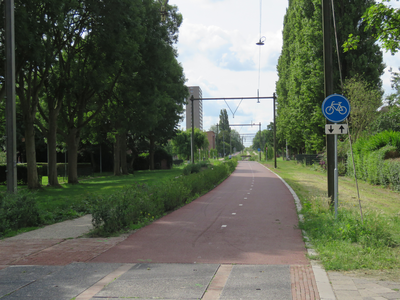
{"points": [[259, 55]]}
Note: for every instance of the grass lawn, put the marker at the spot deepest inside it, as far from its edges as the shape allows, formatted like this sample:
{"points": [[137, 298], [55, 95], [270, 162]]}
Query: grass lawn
{"points": [[346, 244], [69, 200]]}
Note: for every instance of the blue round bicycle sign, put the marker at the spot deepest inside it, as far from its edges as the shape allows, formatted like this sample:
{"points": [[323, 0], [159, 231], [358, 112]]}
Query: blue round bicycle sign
{"points": [[336, 108]]}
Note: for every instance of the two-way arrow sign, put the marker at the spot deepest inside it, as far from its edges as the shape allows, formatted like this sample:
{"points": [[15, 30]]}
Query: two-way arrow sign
{"points": [[336, 128]]}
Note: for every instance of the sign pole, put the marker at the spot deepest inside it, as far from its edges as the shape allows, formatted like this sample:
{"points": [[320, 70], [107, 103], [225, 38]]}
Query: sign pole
{"points": [[192, 140], [335, 108], [336, 177]]}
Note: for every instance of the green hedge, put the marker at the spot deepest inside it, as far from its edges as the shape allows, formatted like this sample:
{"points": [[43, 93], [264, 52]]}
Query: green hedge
{"points": [[22, 173], [372, 159], [140, 203]]}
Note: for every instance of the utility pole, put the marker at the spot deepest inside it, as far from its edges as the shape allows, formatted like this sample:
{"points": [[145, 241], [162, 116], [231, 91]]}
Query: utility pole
{"points": [[216, 143], [192, 142], [10, 101], [328, 72], [261, 146], [223, 141], [274, 97]]}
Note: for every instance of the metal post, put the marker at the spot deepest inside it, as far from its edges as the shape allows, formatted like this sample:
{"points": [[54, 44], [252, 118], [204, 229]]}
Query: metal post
{"points": [[10, 95], [327, 29], [274, 133], [192, 143], [230, 143], [336, 180], [261, 146], [223, 141], [216, 143]]}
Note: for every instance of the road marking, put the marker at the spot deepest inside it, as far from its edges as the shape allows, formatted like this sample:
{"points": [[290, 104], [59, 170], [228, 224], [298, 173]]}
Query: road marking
{"points": [[223, 226], [240, 204], [245, 198], [234, 214]]}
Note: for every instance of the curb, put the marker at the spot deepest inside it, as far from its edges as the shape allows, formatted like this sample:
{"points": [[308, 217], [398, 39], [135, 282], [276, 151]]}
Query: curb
{"points": [[324, 287]]}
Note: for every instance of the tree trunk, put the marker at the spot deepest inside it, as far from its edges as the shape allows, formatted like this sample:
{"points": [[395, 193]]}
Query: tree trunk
{"points": [[117, 155], [151, 154], [33, 180], [123, 149], [73, 143], [52, 148]]}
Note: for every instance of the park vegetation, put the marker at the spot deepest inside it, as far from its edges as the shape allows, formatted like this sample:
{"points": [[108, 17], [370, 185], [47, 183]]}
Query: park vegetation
{"points": [[126, 203], [92, 75]]}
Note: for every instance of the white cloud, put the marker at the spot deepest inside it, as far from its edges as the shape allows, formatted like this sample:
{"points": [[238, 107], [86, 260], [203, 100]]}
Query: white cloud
{"points": [[217, 48]]}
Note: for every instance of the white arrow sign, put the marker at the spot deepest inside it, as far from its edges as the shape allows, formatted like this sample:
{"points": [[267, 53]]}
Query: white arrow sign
{"points": [[336, 128]]}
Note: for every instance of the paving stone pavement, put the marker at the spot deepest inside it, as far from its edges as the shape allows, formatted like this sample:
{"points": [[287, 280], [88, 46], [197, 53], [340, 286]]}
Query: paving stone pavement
{"points": [[353, 288]]}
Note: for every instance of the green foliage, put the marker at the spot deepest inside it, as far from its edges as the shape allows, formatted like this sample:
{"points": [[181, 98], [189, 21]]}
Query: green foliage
{"points": [[140, 204], [384, 21], [300, 88], [365, 99], [387, 119], [374, 162], [18, 211], [362, 245], [182, 142]]}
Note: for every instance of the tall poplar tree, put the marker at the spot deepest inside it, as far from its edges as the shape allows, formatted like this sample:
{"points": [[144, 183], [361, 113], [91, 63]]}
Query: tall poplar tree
{"points": [[300, 88]]}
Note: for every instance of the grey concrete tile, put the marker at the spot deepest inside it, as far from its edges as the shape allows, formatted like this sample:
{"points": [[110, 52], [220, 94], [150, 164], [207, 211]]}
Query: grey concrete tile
{"points": [[391, 296], [65, 283], [264, 282], [14, 278], [162, 281]]}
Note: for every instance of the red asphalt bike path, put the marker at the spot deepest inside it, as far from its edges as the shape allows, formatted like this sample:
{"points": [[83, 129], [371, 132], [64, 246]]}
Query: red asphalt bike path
{"points": [[250, 218]]}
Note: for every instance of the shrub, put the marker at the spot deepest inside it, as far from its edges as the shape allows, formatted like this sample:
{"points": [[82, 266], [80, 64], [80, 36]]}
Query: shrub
{"points": [[371, 159], [140, 204], [18, 211]]}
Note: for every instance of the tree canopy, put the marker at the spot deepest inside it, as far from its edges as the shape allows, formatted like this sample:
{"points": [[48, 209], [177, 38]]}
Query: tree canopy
{"points": [[300, 88], [98, 72]]}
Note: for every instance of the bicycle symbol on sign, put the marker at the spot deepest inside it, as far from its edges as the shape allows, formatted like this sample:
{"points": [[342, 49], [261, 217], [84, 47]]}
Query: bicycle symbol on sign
{"points": [[336, 106]]}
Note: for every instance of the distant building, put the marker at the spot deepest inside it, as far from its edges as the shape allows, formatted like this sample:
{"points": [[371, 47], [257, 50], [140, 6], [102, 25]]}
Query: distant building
{"points": [[211, 140], [197, 106]]}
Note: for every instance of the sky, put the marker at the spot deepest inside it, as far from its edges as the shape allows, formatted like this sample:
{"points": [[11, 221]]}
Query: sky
{"points": [[217, 49]]}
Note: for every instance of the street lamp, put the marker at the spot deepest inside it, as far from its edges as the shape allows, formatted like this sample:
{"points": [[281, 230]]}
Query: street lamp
{"points": [[261, 41]]}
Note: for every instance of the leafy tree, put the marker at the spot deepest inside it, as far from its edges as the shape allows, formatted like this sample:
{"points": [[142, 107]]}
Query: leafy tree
{"points": [[265, 138], [223, 133], [36, 51], [384, 22], [182, 142], [364, 101], [388, 119], [94, 66], [300, 69]]}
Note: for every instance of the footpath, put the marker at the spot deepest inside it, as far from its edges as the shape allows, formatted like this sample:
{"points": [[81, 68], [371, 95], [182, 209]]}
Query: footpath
{"points": [[239, 241]]}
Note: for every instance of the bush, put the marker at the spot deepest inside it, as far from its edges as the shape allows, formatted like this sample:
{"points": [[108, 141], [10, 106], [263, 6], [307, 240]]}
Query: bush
{"points": [[141, 204], [372, 159], [18, 211]]}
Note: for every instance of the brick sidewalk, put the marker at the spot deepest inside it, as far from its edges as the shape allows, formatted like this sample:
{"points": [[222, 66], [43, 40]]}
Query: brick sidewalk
{"points": [[53, 251]]}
